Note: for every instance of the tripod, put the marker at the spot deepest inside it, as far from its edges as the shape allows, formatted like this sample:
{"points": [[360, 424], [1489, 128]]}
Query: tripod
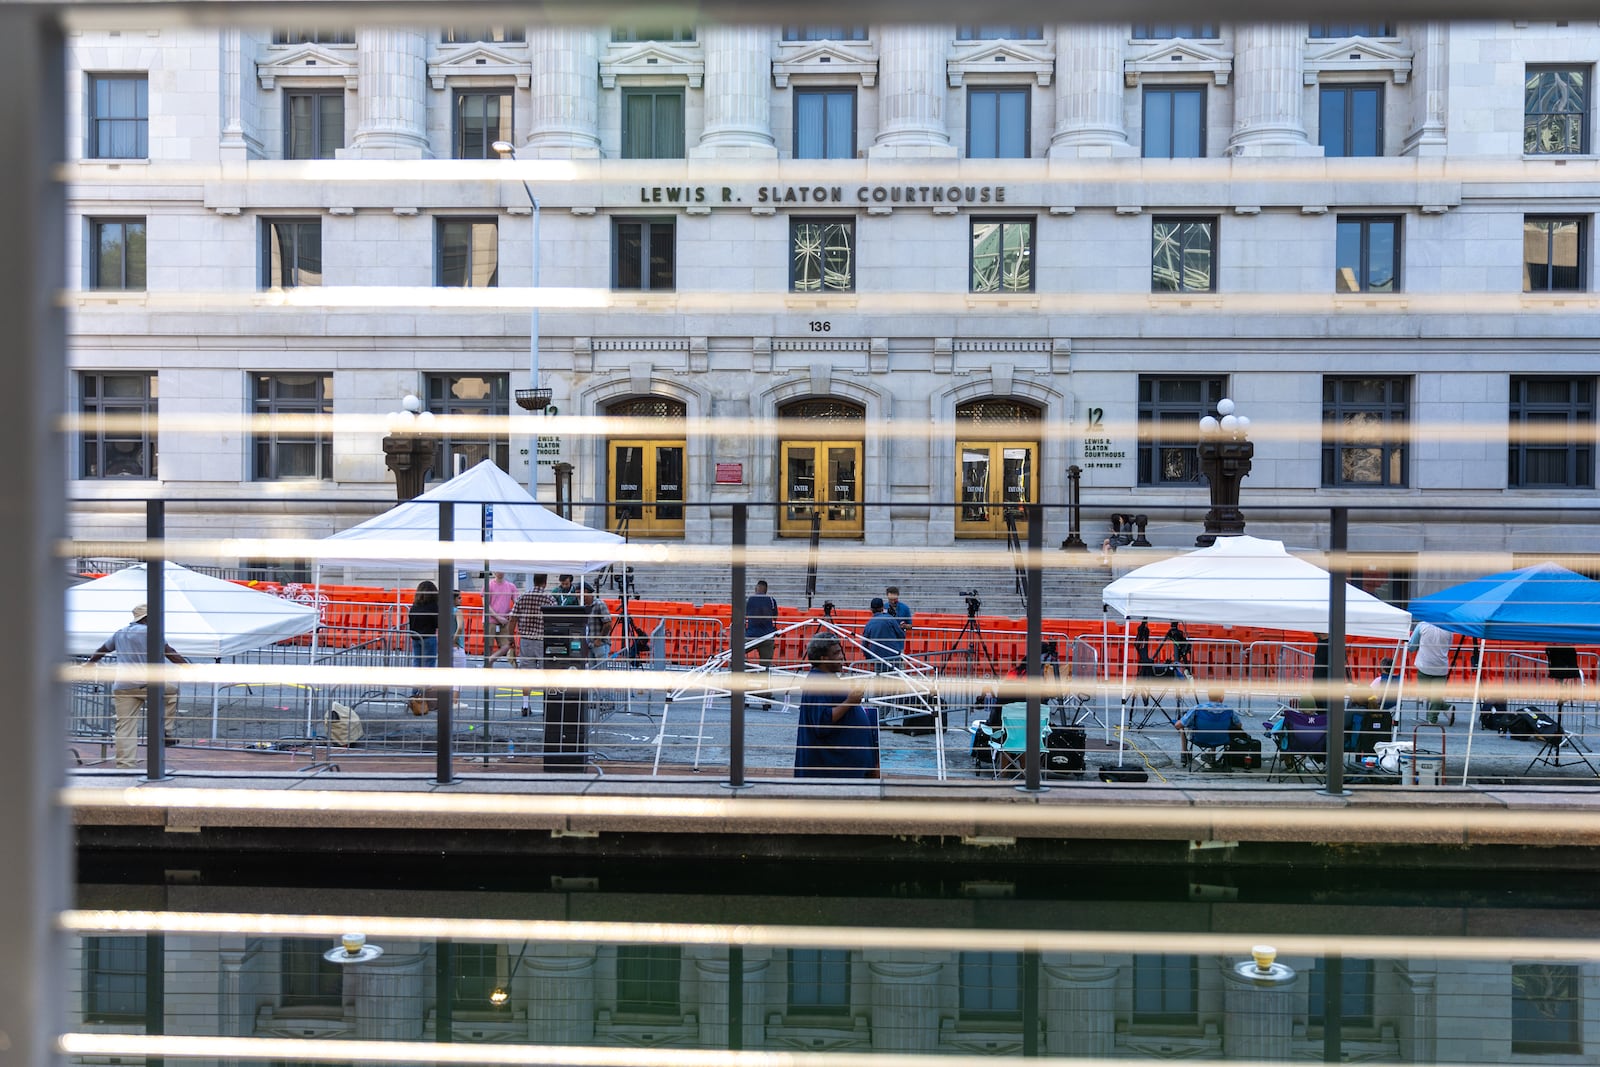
{"points": [[971, 653]]}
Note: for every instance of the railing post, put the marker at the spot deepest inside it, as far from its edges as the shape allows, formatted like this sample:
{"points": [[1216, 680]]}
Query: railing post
{"points": [[736, 992], [1338, 575], [741, 531], [445, 772], [444, 1023], [155, 989], [1030, 1004], [155, 590], [1034, 578]]}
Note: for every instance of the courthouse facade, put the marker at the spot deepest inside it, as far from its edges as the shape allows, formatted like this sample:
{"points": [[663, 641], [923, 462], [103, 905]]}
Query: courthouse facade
{"points": [[910, 265]]}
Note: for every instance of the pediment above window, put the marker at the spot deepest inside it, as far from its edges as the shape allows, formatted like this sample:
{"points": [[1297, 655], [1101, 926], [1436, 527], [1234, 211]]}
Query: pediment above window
{"points": [[307, 61], [1358, 55], [478, 59], [1179, 57], [831, 58], [985, 58], [679, 58]]}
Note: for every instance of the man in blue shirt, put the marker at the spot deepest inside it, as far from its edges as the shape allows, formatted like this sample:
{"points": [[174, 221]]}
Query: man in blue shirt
{"points": [[838, 734], [760, 623], [1207, 724], [900, 613], [883, 637]]}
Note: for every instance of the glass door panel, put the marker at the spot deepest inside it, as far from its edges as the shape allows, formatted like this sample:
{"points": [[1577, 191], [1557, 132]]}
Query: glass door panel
{"points": [[974, 484], [669, 484], [647, 487], [985, 498], [842, 484], [837, 493]]}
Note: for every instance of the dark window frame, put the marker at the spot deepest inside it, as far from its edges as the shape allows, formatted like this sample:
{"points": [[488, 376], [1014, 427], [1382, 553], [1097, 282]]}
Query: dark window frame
{"points": [[999, 32], [983, 994], [1170, 31], [463, 132], [799, 279], [442, 401], [1183, 247], [1362, 272], [488, 34], [1005, 222], [93, 446], [1393, 410], [645, 976], [1532, 119], [475, 973], [1547, 997], [999, 91], [1551, 281], [126, 282], [291, 235], [317, 132], [1155, 411], [1166, 1002], [634, 35], [266, 461], [111, 122], [651, 230], [674, 149], [306, 978], [824, 93], [444, 269], [114, 979], [1579, 412], [1349, 93], [825, 33], [1171, 92], [1356, 999], [1333, 31], [312, 35], [818, 982]]}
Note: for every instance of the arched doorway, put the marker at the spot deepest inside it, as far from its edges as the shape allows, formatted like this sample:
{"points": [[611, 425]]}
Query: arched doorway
{"points": [[821, 467], [647, 483], [997, 452]]}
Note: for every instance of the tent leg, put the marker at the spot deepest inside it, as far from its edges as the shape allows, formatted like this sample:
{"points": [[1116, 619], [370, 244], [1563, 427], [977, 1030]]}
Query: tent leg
{"points": [[1472, 719]]}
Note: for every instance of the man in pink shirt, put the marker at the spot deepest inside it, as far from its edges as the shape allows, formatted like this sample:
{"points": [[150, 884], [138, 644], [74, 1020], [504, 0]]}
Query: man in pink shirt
{"points": [[500, 595]]}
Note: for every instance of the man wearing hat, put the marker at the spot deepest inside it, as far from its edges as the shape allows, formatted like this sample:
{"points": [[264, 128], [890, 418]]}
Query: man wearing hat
{"points": [[884, 638], [131, 646]]}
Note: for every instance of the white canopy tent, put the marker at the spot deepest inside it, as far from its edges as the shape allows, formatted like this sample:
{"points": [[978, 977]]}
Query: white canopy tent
{"points": [[490, 507], [1246, 581]]}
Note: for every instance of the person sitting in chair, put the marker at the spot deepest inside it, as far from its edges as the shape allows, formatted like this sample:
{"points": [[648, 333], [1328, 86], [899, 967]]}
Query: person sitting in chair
{"points": [[1207, 725], [1384, 686]]}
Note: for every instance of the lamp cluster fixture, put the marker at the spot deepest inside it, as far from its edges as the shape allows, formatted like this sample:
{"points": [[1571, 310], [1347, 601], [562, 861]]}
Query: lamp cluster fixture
{"points": [[411, 418], [1232, 425]]}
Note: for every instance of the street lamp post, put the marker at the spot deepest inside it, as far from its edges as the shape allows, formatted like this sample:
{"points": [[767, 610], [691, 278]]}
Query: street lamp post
{"points": [[408, 449], [535, 397], [1225, 454]]}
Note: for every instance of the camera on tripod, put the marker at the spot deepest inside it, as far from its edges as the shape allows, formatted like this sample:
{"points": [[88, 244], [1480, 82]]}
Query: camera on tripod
{"points": [[827, 609], [973, 603]]}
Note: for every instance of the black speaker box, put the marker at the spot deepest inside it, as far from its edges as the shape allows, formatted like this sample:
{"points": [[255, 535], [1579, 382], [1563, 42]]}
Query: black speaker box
{"points": [[1110, 772]]}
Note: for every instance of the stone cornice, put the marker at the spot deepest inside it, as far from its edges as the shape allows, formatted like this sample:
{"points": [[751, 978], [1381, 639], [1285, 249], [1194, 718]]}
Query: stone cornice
{"points": [[984, 58], [308, 61], [682, 59], [1179, 56], [478, 60], [1358, 55], [830, 58]]}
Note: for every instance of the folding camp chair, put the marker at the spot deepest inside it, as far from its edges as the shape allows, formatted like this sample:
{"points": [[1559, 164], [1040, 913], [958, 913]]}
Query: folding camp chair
{"points": [[1299, 742], [1009, 747], [1206, 738], [1082, 701]]}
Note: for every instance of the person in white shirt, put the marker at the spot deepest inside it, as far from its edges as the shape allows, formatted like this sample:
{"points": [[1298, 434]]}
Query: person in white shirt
{"points": [[1430, 647]]}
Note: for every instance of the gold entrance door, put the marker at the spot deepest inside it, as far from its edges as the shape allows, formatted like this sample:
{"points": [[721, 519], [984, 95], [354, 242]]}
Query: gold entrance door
{"points": [[647, 487], [992, 477], [822, 477]]}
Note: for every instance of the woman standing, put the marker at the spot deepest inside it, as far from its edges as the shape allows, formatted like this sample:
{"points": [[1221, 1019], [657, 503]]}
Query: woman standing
{"points": [[423, 623]]}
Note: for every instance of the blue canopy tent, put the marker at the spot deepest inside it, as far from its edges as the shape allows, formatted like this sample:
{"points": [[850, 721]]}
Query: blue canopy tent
{"points": [[1543, 604]]}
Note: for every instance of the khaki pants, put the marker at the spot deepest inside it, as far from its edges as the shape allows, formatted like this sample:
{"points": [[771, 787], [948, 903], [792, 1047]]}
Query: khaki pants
{"points": [[128, 703]]}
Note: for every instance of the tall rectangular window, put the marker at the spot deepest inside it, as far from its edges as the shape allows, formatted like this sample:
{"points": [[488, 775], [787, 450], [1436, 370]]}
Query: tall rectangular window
{"points": [[1166, 31], [1335, 30], [652, 124], [119, 438], [114, 979], [824, 124], [1553, 253], [1002, 256], [117, 261], [1364, 422], [308, 980], [1166, 990], [819, 981], [1183, 255], [825, 33], [482, 395], [1555, 111], [997, 123], [476, 970], [1000, 32], [1350, 120], [822, 256], [1355, 995], [1368, 255], [313, 123], [468, 253], [119, 116], [1546, 1009], [1552, 433], [643, 254], [647, 979], [292, 447], [991, 985], [291, 253], [486, 34], [481, 119], [1170, 410], [1174, 121]]}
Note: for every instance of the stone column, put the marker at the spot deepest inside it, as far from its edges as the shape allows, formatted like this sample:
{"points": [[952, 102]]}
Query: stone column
{"points": [[1089, 93], [1430, 74], [393, 65], [390, 1001], [240, 138], [556, 986], [912, 92], [1267, 88], [1419, 1013], [905, 1005], [1258, 1011], [738, 94], [711, 976], [566, 94], [1080, 1010]]}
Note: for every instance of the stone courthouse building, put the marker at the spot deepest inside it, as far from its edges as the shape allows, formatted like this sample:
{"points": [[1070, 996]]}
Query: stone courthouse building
{"points": [[910, 265]]}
